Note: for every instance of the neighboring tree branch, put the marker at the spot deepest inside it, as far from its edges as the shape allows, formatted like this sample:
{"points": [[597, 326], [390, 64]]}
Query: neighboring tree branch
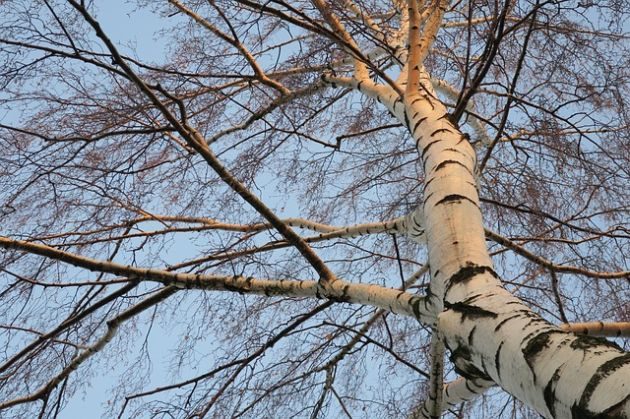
{"points": [[112, 327], [550, 265]]}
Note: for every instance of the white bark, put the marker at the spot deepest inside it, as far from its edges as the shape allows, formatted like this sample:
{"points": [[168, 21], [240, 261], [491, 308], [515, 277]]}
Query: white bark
{"points": [[612, 329], [396, 301], [490, 333], [454, 393]]}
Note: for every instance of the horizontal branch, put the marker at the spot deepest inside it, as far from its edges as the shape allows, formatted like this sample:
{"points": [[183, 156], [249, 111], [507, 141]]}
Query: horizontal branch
{"points": [[327, 231], [611, 329], [390, 299]]}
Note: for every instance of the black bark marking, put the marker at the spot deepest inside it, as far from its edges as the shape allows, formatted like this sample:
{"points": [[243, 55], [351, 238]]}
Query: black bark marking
{"points": [[474, 298], [581, 410], [455, 198], [439, 130], [343, 298], [592, 342], [462, 361], [445, 163], [465, 137], [471, 336], [417, 124], [504, 321], [535, 346], [426, 148], [446, 392], [533, 319], [616, 411], [426, 197], [424, 188], [468, 387], [467, 310], [416, 100], [549, 393], [497, 359], [406, 117], [233, 288], [455, 150], [467, 272], [415, 306]]}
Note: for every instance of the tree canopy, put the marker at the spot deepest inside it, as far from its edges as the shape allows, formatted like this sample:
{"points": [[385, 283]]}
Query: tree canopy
{"points": [[316, 208]]}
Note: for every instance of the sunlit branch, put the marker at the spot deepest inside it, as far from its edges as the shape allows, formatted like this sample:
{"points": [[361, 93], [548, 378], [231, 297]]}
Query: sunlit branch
{"points": [[433, 406], [605, 329], [360, 69], [423, 28], [339, 290], [453, 393], [260, 74]]}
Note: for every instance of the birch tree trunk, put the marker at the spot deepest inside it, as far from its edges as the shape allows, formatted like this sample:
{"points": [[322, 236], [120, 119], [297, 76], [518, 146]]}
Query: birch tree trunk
{"points": [[490, 333]]}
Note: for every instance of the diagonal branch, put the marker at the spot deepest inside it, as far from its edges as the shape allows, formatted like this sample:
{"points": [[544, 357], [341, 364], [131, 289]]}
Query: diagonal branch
{"points": [[454, 393], [112, 328], [199, 144], [258, 71], [604, 329], [348, 44], [423, 28], [551, 265], [375, 295]]}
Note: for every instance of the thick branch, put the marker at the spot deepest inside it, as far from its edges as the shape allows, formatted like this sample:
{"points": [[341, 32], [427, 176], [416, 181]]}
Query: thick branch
{"points": [[393, 300]]}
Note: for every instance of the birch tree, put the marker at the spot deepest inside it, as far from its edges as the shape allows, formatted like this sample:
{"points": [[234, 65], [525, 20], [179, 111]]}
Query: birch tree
{"points": [[329, 208]]}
